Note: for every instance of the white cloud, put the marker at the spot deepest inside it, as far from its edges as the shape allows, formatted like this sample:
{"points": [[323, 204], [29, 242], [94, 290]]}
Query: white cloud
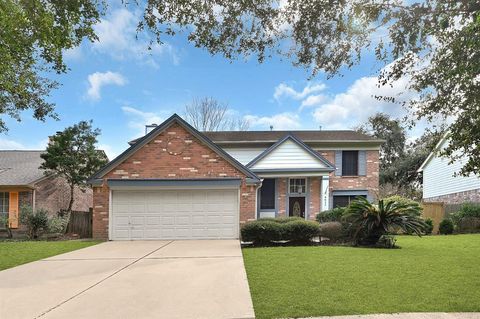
{"points": [[118, 38], [282, 121], [357, 103], [6, 144], [98, 79], [284, 90], [140, 119], [313, 100]]}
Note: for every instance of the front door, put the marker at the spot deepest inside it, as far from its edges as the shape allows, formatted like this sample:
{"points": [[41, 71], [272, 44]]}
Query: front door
{"points": [[296, 207]]}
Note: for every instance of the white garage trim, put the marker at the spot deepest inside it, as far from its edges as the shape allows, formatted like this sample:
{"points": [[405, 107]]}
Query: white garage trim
{"points": [[180, 213]]}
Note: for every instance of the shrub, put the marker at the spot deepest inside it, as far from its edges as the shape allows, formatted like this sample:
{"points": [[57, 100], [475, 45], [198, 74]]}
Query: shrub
{"points": [[332, 215], [58, 224], [264, 231], [404, 201], [446, 227], [300, 231], [281, 220], [369, 222], [467, 219], [387, 241], [35, 222], [468, 225], [261, 232], [332, 230], [428, 226]]}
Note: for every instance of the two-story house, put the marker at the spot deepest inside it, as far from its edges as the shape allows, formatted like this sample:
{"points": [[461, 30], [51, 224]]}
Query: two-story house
{"points": [[176, 182]]}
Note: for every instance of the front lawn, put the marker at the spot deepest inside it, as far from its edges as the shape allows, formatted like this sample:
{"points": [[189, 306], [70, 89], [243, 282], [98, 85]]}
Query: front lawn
{"points": [[14, 253], [428, 274]]}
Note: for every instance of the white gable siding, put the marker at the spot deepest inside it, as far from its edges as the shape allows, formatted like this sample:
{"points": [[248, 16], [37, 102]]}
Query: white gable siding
{"points": [[288, 155], [244, 155], [438, 178]]}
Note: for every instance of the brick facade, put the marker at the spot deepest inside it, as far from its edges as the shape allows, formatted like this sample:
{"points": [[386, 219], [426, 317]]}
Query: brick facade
{"points": [[369, 182], [314, 199], [157, 159], [53, 194], [457, 198], [282, 196]]}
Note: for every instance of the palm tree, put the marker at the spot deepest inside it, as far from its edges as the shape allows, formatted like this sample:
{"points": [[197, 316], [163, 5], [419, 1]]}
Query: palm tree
{"points": [[370, 221]]}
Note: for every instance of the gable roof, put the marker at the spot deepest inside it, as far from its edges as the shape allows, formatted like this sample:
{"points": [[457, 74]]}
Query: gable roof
{"points": [[291, 137], [175, 118], [433, 152], [20, 168]]}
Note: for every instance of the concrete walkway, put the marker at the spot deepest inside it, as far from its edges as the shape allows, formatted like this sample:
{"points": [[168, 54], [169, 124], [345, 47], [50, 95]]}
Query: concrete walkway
{"points": [[413, 315], [141, 279]]}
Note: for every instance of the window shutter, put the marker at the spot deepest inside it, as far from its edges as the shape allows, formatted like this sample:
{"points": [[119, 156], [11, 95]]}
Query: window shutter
{"points": [[362, 163], [338, 163], [13, 210]]}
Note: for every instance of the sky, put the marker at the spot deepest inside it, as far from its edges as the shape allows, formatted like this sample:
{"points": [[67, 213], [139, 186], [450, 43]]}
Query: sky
{"points": [[121, 87]]}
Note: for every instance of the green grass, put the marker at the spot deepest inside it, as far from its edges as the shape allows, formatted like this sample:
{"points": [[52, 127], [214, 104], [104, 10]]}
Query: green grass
{"points": [[428, 274], [14, 253]]}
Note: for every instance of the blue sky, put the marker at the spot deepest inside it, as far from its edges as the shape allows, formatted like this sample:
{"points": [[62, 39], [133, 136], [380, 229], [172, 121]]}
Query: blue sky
{"points": [[121, 87]]}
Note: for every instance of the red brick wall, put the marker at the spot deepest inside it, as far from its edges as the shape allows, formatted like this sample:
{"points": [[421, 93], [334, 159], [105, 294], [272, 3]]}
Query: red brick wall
{"points": [[368, 182], [53, 194], [457, 198], [155, 161], [282, 196], [314, 200]]}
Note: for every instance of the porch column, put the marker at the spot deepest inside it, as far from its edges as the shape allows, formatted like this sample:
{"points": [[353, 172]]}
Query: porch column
{"points": [[325, 193]]}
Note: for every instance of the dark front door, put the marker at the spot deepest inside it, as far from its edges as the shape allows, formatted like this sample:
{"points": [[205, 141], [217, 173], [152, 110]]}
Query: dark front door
{"points": [[296, 206]]}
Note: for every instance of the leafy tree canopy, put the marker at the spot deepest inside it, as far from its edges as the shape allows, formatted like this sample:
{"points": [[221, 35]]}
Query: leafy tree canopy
{"points": [[33, 37], [72, 154], [433, 43]]}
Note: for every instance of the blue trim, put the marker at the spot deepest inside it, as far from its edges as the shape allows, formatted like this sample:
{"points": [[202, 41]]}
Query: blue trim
{"points": [[174, 182], [298, 142], [152, 134]]}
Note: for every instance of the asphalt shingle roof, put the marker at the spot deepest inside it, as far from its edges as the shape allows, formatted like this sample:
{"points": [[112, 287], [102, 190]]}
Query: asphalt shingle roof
{"points": [[273, 136], [18, 168], [305, 136]]}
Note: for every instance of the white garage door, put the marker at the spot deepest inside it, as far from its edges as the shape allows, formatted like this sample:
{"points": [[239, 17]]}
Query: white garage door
{"points": [[174, 214]]}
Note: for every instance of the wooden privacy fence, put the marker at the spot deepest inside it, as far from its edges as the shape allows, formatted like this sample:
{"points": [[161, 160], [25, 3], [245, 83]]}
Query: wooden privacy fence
{"points": [[80, 223], [435, 211]]}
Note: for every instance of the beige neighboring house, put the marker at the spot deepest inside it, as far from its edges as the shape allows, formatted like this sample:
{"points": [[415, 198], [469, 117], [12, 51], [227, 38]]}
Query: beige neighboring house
{"points": [[22, 182], [440, 183]]}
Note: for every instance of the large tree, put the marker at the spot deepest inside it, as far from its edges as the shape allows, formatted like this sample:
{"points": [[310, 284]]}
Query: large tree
{"points": [[383, 127], [72, 154], [399, 159], [34, 35], [433, 43]]}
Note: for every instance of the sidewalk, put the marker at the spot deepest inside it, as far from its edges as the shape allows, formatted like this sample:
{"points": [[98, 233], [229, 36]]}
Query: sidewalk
{"points": [[413, 315]]}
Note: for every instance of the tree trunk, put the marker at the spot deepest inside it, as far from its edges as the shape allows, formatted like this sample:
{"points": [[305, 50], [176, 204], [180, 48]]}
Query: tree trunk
{"points": [[70, 204]]}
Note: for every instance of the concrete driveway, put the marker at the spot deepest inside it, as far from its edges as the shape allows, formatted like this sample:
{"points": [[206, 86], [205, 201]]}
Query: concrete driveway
{"points": [[140, 279]]}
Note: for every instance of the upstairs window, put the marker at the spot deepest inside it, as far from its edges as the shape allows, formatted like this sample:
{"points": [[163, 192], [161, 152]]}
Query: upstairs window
{"points": [[350, 163]]}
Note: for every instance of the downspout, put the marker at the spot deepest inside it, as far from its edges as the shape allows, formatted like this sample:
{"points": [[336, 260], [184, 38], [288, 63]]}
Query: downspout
{"points": [[33, 199], [256, 198]]}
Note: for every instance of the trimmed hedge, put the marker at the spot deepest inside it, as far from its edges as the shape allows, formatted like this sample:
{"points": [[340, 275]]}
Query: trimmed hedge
{"points": [[265, 231], [331, 215], [333, 231]]}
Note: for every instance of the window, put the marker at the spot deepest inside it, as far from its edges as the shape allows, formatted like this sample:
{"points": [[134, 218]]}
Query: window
{"points": [[344, 200], [350, 163], [4, 199], [297, 186], [267, 194]]}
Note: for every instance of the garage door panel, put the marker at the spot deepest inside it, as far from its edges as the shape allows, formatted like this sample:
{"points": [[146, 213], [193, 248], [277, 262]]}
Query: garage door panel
{"points": [[172, 214]]}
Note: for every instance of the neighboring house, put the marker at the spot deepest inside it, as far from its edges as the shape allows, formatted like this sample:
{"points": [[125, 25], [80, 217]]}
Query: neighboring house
{"points": [[176, 182], [22, 182], [440, 183]]}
